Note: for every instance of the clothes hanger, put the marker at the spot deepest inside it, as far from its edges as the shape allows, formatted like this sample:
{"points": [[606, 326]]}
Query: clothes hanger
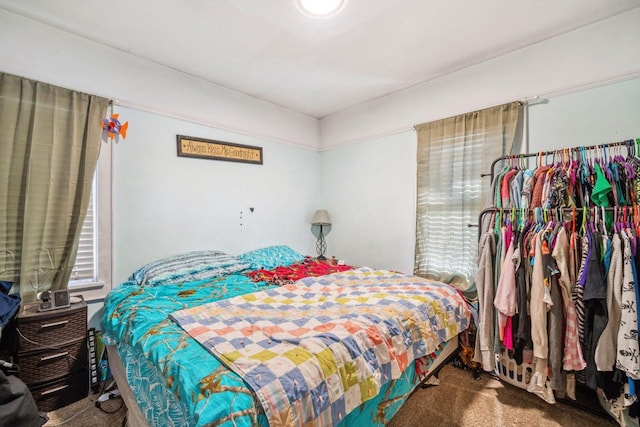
{"points": [[592, 222], [604, 222], [583, 226], [584, 173], [617, 219], [572, 241]]}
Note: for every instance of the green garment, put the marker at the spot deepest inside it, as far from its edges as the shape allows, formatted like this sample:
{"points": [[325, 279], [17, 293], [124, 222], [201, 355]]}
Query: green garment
{"points": [[600, 189]]}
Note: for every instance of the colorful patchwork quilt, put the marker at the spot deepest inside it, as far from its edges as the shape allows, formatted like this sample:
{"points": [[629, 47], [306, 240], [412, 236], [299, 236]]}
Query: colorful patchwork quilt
{"points": [[315, 350]]}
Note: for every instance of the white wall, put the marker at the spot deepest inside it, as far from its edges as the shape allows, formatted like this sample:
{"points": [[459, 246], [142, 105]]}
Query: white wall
{"points": [[164, 204], [37, 51], [369, 187], [602, 52], [596, 116], [605, 51], [369, 190]]}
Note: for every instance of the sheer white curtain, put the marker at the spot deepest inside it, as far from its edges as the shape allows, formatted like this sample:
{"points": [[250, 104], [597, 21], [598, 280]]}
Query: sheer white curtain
{"points": [[452, 154]]}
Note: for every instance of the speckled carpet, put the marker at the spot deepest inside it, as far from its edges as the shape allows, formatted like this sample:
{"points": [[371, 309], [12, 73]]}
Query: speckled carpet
{"points": [[459, 400], [84, 413]]}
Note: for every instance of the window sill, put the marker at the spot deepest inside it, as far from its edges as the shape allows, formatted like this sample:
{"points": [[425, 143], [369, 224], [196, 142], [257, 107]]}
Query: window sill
{"points": [[91, 291]]}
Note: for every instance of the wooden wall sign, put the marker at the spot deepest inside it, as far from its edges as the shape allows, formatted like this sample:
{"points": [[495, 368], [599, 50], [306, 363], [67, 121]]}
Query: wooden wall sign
{"points": [[199, 148]]}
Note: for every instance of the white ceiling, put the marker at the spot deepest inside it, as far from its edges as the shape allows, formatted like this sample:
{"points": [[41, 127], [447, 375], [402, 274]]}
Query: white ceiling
{"points": [[267, 49]]}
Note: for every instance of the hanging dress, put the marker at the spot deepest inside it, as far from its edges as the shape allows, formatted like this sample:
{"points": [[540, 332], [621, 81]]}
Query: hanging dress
{"points": [[538, 309], [605, 356], [628, 348], [522, 320], [537, 305], [555, 319], [578, 289], [484, 351], [595, 307], [572, 357], [505, 300]]}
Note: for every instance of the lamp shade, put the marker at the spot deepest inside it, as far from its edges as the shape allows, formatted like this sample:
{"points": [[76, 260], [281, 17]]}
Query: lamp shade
{"points": [[321, 217]]}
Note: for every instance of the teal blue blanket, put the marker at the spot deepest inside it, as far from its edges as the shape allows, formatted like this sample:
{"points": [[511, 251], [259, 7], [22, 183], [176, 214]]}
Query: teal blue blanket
{"points": [[177, 382]]}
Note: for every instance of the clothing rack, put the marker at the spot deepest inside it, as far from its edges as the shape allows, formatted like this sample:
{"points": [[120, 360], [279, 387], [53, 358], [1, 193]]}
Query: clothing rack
{"points": [[555, 212], [627, 211], [632, 145], [587, 399]]}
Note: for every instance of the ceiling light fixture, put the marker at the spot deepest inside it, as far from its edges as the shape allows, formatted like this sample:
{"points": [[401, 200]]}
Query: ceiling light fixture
{"points": [[320, 8]]}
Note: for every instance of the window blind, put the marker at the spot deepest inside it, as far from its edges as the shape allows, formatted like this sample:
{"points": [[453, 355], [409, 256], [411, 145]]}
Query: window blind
{"points": [[84, 269], [452, 155], [452, 199]]}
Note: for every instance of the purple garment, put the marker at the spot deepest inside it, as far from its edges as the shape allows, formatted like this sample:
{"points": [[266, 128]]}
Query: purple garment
{"points": [[583, 277]]}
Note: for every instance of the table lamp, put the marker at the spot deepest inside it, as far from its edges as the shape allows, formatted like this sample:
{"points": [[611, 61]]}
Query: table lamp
{"points": [[321, 218]]}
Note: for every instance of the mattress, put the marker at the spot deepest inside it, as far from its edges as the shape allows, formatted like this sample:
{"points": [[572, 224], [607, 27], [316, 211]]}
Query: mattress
{"points": [[175, 381]]}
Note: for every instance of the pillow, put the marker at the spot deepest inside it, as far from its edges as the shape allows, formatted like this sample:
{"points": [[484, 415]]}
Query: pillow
{"points": [[271, 257], [198, 265]]}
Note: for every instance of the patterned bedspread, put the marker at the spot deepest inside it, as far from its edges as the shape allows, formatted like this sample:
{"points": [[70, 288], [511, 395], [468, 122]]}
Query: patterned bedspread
{"points": [[308, 267], [315, 350], [205, 391]]}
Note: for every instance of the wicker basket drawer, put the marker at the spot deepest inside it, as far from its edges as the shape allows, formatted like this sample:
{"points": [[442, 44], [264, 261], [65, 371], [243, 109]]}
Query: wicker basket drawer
{"points": [[61, 392], [51, 329], [47, 365]]}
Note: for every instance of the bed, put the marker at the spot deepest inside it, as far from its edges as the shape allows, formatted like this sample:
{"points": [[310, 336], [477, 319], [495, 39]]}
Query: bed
{"points": [[185, 349]]}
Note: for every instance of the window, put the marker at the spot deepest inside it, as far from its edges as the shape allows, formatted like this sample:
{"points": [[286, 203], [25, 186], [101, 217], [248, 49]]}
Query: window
{"points": [[84, 270], [49, 145], [91, 274], [452, 155]]}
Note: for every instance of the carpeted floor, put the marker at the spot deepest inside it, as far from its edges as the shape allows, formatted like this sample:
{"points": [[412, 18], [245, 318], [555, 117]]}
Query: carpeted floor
{"points": [[459, 400], [84, 413]]}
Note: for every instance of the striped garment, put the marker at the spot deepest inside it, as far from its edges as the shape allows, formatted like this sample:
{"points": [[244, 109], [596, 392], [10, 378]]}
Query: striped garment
{"points": [[572, 357], [578, 289]]}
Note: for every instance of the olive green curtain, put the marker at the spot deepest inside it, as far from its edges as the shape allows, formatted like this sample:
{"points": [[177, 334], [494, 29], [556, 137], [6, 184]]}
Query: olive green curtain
{"points": [[452, 154], [49, 144]]}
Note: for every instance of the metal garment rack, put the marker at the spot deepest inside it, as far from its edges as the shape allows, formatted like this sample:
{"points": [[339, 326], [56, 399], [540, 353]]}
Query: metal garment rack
{"points": [[590, 212], [586, 399], [630, 144]]}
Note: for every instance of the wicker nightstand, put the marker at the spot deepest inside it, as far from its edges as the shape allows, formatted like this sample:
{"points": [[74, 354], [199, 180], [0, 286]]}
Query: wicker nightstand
{"points": [[52, 354]]}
